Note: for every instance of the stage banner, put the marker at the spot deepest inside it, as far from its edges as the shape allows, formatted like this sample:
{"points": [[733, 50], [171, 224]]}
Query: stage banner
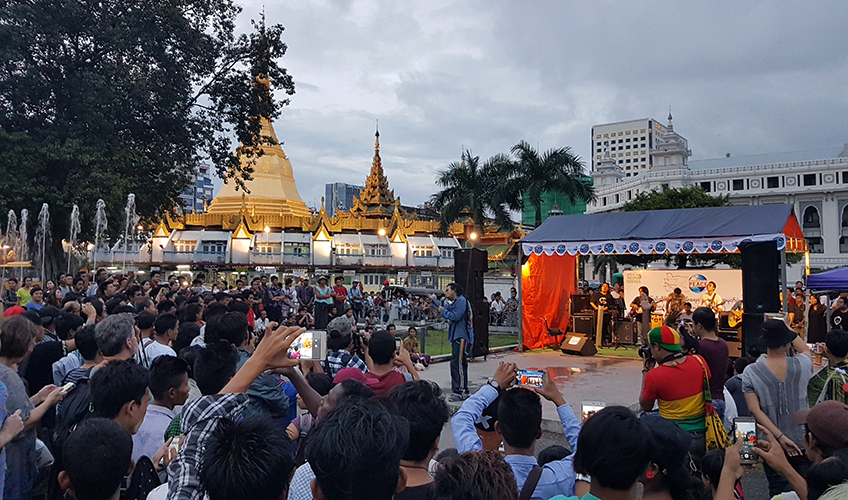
{"points": [[547, 282], [692, 283]]}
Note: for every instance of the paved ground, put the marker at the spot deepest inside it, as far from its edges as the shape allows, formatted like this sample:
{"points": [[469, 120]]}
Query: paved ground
{"points": [[610, 380]]}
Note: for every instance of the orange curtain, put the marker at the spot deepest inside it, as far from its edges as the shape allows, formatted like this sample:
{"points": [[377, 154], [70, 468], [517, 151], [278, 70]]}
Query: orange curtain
{"points": [[547, 282]]}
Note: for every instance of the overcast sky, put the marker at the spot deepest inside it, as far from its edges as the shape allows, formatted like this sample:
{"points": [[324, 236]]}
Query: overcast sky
{"points": [[741, 77]]}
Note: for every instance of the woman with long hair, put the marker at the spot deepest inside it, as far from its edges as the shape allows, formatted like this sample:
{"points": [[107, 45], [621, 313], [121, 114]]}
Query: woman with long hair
{"points": [[54, 298]]}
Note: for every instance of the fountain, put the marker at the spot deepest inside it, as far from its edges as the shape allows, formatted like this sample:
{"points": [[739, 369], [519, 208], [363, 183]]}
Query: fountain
{"points": [[100, 226], [23, 244], [130, 221], [11, 242], [75, 229], [42, 234]]}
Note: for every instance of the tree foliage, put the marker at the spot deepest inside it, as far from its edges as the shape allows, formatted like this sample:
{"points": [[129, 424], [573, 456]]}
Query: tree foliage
{"points": [[672, 198], [533, 174], [102, 98], [467, 192]]}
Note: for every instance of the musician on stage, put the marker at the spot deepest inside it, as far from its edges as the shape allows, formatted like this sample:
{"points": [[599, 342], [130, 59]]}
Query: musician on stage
{"points": [[674, 306], [711, 299], [641, 309], [603, 303]]}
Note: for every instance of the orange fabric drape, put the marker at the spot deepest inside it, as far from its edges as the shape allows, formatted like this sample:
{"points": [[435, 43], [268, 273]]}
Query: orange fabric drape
{"points": [[547, 282]]}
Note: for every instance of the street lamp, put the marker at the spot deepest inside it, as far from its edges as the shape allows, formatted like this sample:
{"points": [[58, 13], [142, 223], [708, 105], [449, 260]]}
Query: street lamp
{"points": [[472, 237], [381, 232]]}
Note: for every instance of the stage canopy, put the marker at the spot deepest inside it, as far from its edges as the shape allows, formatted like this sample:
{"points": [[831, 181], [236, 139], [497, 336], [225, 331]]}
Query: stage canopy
{"points": [[688, 230], [549, 273], [835, 279]]}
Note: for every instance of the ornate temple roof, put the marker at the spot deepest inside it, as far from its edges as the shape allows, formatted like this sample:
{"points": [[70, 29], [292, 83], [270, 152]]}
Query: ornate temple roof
{"points": [[376, 200]]}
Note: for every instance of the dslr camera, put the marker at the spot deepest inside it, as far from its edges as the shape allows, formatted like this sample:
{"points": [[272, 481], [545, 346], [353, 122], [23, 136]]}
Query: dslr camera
{"points": [[645, 352]]}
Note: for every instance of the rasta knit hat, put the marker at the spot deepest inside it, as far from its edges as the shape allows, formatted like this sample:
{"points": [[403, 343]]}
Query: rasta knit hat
{"points": [[666, 337]]}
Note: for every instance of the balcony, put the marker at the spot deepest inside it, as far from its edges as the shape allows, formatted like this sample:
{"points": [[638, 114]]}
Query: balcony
{"points": [[297, 258], [378, 260], [426, 261], [181, 257], [214, 257], [350, 259], [266, 258]]}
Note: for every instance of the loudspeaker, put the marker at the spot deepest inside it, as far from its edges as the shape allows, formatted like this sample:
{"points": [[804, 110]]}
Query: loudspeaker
{"points": [[752, 332], [470, 264], [760, 276], [579, 345], [624, 332], [583, 323], [579, 303]]}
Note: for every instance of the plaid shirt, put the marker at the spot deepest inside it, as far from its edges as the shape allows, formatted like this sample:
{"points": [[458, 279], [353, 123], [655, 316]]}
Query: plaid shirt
{"points": [[199, 420], [334, 363]]}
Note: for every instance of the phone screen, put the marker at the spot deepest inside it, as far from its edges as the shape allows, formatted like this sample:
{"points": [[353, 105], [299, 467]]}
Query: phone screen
{"points": [[746, 430], [310, 345], [530, 378], [590, 408]]}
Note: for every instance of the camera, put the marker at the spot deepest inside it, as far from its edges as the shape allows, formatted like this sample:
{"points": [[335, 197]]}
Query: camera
{"points": [[359, 340], [645, 352]]}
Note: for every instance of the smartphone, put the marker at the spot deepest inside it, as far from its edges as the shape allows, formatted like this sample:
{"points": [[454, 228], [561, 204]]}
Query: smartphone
{"points": [[310, 345], [590, 408], [530, 378], [746, 430], [174, 444], [67, 387], [397, 345]]}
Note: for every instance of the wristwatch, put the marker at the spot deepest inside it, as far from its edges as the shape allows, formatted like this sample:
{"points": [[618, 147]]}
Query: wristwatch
{"points": [[494, 383]]}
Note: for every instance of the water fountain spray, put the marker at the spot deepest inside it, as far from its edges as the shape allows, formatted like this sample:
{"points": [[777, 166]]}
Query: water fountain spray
{"points": [[129, 223], [75, 229], [100, 226], [41, 237], [23, 244]]}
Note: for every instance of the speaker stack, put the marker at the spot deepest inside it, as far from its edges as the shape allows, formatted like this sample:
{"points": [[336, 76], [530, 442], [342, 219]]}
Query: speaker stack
{"points": [[470, 264], [760, 288]]}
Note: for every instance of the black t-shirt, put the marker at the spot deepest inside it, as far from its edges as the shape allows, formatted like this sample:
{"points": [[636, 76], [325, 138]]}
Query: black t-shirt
{"points": [[605, 300], [423, 492], [839, 320]]}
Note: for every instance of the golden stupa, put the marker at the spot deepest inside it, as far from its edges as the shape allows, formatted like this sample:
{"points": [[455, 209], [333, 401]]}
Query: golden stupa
{"points": [[272, 189]]}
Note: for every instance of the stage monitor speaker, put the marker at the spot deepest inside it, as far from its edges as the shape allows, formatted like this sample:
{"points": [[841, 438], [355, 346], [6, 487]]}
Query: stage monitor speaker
{"points": [[625, 332], [579, 303], [578, 344], [752, 332], [583, 323], [470, 264], [760, 276]]}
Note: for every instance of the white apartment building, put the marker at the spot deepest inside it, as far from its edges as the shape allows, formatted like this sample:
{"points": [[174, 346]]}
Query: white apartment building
{"points": [[629, 143], [815, 181]]}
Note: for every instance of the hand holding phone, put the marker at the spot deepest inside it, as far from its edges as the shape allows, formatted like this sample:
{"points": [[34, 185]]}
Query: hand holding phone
{"points": [[530, 378], [746, 431]]}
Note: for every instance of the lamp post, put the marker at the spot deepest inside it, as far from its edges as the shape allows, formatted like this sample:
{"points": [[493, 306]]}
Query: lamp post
{"points": [[471, 237]]}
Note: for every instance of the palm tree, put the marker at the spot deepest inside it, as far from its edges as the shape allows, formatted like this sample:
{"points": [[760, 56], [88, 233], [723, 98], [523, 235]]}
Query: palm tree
{"points": [[467, 189], [604, 263], [534, 175]]}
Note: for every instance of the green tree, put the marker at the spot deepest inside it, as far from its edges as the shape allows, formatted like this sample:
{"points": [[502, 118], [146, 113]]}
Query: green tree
{"points": [[99, 99], [467, 191], [685, 197], [534, 174]]}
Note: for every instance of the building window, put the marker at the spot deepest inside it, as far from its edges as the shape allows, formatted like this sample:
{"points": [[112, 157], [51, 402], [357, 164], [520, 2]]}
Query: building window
{"points": [[738, 184], [630, 195], [447, 253], [844, 177], [627, 140], [348, 250], [811, 218], [605, 201], [816, 245], [422, 251], [184, 246], [376, 250], [269, 248], [296, 248], [843, 245], [616, 199], [809, 179], [773, 182], [707, 186], [213, 247]]}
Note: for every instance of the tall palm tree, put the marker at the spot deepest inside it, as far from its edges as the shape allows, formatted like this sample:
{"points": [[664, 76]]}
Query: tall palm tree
{"points": [[534, 175], [467, 189]]}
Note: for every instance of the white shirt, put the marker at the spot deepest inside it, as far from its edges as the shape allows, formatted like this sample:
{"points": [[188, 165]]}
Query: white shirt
{"points": [[151, 435], [498, 306], [712, 301], [260, 324], [155, 349], [300, 487]]}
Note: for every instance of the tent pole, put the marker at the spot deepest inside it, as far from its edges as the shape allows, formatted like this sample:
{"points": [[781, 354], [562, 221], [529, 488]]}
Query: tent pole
{"points": [[783, 285], [520, 302]]}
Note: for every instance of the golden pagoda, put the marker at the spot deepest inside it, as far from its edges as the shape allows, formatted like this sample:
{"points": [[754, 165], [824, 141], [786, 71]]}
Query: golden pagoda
{"points": [[376, 200]]}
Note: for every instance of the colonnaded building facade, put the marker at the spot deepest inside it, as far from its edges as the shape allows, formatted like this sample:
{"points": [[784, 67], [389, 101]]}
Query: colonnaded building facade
{"points": [[642, 155]]}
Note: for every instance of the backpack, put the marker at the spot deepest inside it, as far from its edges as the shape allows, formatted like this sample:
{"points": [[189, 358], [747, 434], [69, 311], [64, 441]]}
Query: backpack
{"points": [[346, 357], [75, 407], [143, 480]]}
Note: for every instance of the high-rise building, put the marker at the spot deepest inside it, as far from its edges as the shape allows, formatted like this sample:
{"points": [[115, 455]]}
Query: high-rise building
{"points": [[200, 192], [339, 196], [629, 144]]}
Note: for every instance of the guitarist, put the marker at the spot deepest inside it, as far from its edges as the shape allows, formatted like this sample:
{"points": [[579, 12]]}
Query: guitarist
{"points": [[602, 302], [711, 299]]}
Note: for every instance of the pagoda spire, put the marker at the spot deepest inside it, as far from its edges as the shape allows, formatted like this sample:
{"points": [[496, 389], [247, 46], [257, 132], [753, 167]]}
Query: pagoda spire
{"points": [[376, 199]]}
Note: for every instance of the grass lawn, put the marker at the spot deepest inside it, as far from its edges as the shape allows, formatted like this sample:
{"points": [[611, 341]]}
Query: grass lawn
{"points": [[437, 343]]}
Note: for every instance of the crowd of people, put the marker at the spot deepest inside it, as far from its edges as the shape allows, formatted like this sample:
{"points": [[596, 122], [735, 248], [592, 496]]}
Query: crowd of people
{"points": [[146, 390]]}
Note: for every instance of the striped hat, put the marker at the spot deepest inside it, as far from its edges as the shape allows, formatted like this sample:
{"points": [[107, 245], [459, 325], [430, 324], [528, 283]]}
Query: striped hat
{"points": [[666, 337]]}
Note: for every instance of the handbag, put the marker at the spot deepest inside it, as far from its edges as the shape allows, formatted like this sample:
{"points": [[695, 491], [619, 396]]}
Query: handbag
{"points": [[716, 436]]}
